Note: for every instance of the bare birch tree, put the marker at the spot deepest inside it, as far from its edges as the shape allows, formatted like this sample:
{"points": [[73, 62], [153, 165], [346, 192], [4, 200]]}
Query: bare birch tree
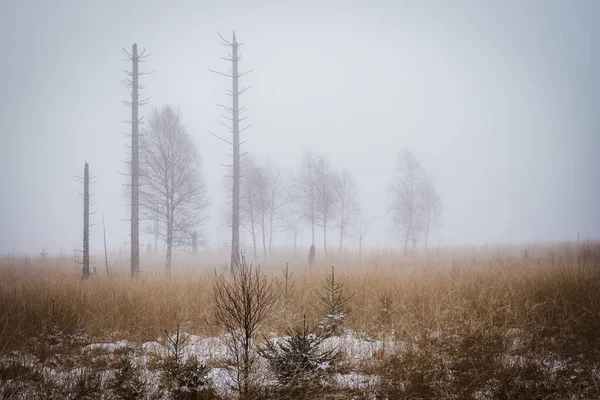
{"points": [[251, 184], [431, 206], [363, 228], [264, 196], [405, 192], [278, 198], [294, 226], [348, 206], [325, 199], [306, 190], [416, 206], [304, 197], [263, 209], [172, 188]]}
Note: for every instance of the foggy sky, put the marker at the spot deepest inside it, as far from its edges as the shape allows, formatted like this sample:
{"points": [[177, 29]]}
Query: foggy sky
{"points": [[499, 100]]}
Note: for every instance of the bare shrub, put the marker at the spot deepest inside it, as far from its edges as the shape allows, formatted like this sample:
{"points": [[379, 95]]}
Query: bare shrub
{"points": [[242, 302]]}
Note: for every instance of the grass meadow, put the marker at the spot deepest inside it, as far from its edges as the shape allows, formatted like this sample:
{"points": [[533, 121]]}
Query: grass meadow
{"points": [[495, 322]]}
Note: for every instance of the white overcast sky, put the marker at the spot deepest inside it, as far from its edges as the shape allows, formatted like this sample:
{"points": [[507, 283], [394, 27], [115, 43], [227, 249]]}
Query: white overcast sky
{"points": [[498, 99]]}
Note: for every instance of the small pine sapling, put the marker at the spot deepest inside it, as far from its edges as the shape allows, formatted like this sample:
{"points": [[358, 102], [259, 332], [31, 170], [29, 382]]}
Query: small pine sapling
{"points": [[126, 383], [182, 377], [298, 362], [334, 304]]}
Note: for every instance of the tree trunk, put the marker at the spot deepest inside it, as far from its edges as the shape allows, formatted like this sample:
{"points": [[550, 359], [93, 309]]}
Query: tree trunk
{"points": [[105, 251], [254, 241], [325, 236], [312, 221], [169, 243], [86, 222], [341, 239], [264, 240], [295, 245], [427, 227], [235, 215], [135, 166], [270, 234], [360, 250], [169, 257]]}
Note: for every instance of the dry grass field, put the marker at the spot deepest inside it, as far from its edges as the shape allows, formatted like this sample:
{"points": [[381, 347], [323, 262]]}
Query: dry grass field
{"points": [[481, 323]]}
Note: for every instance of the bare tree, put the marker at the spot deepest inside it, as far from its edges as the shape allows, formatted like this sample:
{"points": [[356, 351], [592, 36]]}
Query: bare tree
{"points": [[405, 203], [294, 226], [242, 303], [233, 126], [263, 211], [105, 252], [263, 201], [363, 229], [431, 206], [348, 206], [44, 255], [305, 193], [172, 188], [278, 198], [251, 184], [325, 199]]}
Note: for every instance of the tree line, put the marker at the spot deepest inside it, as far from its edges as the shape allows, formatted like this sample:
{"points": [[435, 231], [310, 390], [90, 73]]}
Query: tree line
{"points": [[167, 186], [316, 194]]}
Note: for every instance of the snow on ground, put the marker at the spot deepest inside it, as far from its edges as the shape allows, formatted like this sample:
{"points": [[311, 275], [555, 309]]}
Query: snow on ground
{"points": [[207, 350], [359, 350], [356, 381], [108, 347], [222, 381]]}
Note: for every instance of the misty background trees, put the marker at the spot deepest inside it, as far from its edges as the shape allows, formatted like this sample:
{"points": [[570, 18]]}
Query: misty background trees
{"points": [[416, 206], [172, 190], [349, 208], [268, 200], [278, 204], [264, 197]]}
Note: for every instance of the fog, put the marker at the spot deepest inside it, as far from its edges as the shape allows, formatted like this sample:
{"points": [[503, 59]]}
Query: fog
{"points": [[498, 100]]}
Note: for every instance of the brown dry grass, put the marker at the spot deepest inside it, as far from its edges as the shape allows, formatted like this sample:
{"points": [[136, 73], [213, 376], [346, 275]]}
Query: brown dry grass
{"points": [[463, 309], [555, 287]]}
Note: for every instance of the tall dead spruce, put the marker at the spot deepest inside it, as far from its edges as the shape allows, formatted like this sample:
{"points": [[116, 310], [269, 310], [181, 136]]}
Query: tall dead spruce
{"points": [[131, 82], [232, 115], [86, 179], [86, 222]]}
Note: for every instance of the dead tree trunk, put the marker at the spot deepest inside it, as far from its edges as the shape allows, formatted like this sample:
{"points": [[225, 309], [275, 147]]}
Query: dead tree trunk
{"points": [[325, 236], [156, 230], [264, 240], [105, 253], [86, 222], [234, 112], [195, 243], [132, 83], [341, 241], [135, 176], [235, 221], [169, 258]]}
